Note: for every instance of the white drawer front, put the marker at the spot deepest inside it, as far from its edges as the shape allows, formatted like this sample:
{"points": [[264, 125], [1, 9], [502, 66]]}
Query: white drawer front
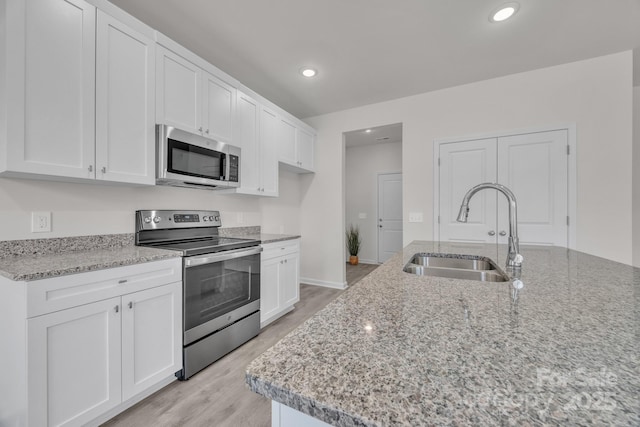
{"points": [[272, 250], [59, 293]]}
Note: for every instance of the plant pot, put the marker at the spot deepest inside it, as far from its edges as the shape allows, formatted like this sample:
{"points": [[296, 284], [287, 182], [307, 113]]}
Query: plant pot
{"points": [[353, 260]]}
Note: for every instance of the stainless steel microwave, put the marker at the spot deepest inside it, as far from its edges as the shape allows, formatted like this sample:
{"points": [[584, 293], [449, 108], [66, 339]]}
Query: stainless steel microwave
{"points": [[185, 159]]}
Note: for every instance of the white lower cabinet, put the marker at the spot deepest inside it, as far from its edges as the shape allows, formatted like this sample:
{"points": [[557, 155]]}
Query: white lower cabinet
{"points": [[279, 279], [74, 364], [94, 343]]}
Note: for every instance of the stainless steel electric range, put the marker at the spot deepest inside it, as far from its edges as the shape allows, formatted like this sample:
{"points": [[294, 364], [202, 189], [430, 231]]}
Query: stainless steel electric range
{"points": [[221, 282]]}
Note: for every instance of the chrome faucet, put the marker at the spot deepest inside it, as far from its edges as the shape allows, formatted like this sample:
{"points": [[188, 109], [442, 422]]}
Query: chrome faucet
{"points": [[514, 259]]}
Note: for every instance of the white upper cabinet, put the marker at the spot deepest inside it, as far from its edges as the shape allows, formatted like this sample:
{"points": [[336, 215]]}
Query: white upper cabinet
{"points": [[65, 118], [125, 103], [179, 96], [192, 99], [218, 109], [256, 135], [50, 102], [295, 146]]}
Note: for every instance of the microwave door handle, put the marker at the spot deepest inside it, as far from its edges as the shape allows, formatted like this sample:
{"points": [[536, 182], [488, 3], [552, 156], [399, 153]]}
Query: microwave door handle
{"points": [[223, 256]]}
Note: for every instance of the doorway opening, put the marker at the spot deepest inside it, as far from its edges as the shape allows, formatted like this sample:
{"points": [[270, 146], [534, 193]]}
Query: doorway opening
{"points": [[373, 190]]}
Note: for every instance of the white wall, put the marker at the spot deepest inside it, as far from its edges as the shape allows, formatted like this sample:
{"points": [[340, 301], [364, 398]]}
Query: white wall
{"points": [[84, 209], [595, 94], [362, 166], [636, 176]]}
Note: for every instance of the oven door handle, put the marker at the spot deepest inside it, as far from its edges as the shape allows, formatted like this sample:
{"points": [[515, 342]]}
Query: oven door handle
{"points": [[223, 256]]}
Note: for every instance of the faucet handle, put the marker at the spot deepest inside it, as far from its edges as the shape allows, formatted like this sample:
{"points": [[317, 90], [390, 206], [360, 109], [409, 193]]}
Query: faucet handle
{"points": [[518, 259]]}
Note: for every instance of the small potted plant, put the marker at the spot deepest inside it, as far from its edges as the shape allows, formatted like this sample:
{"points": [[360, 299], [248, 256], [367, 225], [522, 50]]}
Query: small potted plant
{"points": [[353, 243]]}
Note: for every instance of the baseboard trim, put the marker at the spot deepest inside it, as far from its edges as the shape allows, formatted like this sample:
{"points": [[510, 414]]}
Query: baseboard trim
{"points": [[323, 283], [367, 261]]}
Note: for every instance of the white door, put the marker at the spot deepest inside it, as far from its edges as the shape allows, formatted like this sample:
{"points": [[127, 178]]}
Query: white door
{"points": [[534, 166], [125, 103], [74, 364], [151, 337], [389, 215], [462, 166]]}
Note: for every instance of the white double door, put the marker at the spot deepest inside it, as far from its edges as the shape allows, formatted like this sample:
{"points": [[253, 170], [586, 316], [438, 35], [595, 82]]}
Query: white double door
{"points": [[534, 166]]}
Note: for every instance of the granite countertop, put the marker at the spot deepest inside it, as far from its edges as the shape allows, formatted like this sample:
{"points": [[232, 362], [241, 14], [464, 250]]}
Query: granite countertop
{"points": [[400, 349], [25, 260], [255, 233]]}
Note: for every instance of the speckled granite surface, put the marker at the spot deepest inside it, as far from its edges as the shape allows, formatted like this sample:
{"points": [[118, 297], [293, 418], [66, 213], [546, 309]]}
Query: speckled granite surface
{"points": [[399, 349], [255, 233], [24, 260]]}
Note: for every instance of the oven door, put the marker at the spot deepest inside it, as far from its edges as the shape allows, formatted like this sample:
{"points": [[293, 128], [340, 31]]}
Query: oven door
{"points": [[219, 289]]}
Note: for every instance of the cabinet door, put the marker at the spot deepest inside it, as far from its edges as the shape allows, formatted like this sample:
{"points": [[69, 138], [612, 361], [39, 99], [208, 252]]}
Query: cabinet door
{"points": [[269, 288], [52, 99], [74, 364], [247, 138], [305, 148], [269, 152], [151, 337], [125, 100], [179, 94], [290, 280], [219, 106], [287, 142], [464, 165]]}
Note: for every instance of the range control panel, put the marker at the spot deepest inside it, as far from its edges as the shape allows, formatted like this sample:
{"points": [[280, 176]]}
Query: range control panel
{"points": [[161, 219]]}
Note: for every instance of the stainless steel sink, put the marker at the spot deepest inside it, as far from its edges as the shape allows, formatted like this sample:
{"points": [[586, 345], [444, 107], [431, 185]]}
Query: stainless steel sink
{"points": [[471, 263], [466, 267]]}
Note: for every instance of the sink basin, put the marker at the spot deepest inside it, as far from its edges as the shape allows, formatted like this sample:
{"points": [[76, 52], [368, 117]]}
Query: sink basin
{"points": [[466, 267], [471, 263]]}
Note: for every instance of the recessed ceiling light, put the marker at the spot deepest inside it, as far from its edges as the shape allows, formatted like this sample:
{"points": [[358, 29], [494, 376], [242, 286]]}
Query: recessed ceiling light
{"points": [[504, 12], [367, 131], [308, 72]]}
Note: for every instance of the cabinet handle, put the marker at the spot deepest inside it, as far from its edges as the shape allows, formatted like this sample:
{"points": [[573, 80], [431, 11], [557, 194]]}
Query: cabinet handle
{"points": [[206, 131], [130, 304], [104, 169], [117, 308], [491, 233], [90, 168], [123, 281], [200, 129], [503, 233]]}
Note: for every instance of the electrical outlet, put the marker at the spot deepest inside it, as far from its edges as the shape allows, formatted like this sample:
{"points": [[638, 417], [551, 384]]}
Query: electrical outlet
{"points": [[40, 222], [415, 217]]}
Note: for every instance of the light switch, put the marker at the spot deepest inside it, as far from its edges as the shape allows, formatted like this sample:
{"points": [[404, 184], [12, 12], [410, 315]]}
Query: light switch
{"points": [[415, 217]]}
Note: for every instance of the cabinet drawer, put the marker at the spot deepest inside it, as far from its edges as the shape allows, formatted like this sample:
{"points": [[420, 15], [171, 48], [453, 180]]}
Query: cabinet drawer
{"points": [[285, 247], [49, 295]]}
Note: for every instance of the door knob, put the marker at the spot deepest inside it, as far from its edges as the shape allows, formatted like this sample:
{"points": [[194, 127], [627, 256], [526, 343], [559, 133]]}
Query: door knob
{"points": [[503, 233], [491, 233]]}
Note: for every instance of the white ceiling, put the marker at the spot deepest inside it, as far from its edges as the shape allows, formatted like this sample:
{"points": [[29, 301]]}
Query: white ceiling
{"points": [[369, 51], [376, 135]]}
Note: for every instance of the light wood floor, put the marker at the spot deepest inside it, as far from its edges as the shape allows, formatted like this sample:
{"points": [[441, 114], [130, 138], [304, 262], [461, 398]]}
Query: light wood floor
{"points": [[218, 396]]}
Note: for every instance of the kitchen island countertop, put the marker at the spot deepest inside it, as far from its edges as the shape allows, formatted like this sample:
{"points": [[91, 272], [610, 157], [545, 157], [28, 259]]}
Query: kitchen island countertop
{"points": [[400, 349]]}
